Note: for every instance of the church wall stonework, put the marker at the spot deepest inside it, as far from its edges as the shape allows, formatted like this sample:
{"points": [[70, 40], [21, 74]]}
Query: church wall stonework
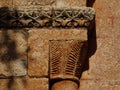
{"points": [[31, 72], [104, 67]]}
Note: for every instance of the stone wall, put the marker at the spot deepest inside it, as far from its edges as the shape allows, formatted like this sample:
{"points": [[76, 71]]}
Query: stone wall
{"points": [[24, 67], [104, 64]]}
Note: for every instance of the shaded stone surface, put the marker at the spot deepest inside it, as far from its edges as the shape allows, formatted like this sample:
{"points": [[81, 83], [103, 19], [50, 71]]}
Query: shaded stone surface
{"points": [[13, 55], [24, 83], [38, 42]]}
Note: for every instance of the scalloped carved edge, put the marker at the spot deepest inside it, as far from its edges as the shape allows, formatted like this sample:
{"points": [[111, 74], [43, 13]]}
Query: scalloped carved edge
{"points": [[45, 17]]}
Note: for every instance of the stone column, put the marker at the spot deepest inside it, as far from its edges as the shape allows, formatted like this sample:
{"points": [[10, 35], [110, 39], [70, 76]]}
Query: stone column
{"points": [[65, 85]]}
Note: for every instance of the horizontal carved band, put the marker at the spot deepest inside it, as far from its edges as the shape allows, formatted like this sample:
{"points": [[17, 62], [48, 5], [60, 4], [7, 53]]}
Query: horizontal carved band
{"points": [[45, 17]]}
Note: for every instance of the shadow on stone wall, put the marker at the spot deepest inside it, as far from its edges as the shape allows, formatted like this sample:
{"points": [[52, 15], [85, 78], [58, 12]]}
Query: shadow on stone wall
{"points": [[10, 45], [92, 43], [16, 83], [8, 50], [9, 55], [90, 3]]}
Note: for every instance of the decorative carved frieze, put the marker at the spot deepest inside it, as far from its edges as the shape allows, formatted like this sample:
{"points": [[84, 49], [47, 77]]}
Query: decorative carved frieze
{"points": [[45, 17]]}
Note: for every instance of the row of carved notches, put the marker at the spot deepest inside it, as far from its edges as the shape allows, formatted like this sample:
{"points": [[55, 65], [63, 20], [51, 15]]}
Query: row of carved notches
{"points": [[69, 18]]}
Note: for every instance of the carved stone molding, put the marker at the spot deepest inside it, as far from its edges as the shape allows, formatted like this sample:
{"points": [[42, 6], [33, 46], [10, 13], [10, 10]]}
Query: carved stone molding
{"points": [[45, 17]]}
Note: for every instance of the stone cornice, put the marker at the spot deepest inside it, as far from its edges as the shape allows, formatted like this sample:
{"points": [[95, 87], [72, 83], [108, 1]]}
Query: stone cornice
{"points": [[30, 17]]}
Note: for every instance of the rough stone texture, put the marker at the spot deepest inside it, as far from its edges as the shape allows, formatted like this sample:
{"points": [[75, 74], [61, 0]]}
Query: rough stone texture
{"points": [[39, 47], [70, 3], [34, 2], [58, 3], [38, 84], [104, 65], [65, 85], [24, 83], [100, 85], [5, 3], [13, 55]]}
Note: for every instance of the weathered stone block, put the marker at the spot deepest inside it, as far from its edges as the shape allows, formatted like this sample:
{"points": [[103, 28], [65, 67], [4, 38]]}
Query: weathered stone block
{"points": [[99, 85], [71, 3], [38, 84], [24, 83], [13, 55], [34, 2], [5, 3], [108, 67]]}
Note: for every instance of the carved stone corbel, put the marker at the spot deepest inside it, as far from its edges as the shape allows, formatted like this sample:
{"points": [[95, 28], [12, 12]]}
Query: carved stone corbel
{"points": [[67, 57], [66, 62]]}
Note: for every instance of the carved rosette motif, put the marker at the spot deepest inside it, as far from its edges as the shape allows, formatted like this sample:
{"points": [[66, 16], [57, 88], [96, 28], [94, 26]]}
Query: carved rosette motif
{"points": [[47, 17]]}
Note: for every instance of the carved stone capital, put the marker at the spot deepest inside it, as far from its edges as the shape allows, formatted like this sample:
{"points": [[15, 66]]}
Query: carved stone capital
{"points": [[66, 59], [39, 17]]}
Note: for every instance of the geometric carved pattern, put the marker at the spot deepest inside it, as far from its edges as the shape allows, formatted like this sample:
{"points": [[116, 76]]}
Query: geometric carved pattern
{"points": [[66, 59], [45, 17]]}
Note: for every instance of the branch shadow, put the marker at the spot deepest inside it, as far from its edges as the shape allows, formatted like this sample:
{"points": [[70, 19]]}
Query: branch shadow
{"points": [[8, 54], [8, 47]]}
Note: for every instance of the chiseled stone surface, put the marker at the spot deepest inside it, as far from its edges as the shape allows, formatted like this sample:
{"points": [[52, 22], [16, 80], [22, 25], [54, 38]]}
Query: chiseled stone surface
{"points": [[70, 3], [104, 65], [38, 56], [57, 3], [5, 3], [34, 2], [13, 55], [38, 84], [99, 85], [65, 85], [24, 83]]}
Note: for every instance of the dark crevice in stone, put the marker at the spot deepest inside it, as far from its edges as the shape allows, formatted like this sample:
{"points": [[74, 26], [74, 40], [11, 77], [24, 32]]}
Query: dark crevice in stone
{"points": [[90, 3], [92, 44]]}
